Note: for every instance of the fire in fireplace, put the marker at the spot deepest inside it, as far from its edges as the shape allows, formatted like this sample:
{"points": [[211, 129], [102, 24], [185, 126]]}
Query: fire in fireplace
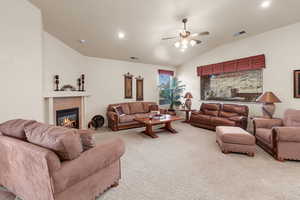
{"points": [[68, 118]]}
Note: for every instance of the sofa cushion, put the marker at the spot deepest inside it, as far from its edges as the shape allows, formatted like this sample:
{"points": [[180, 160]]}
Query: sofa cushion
{"points": [[64, 142], [240, 109], [136, 107], [15, 128], [210, 106], [147, 106], [220, 121], [87, 139], [203, 119], [292, 118], [124, 106], [227, 114], [153, 108], [119, 110], [126, 118], [235, 135], [264, 134], [211, 112], [142, 115]]}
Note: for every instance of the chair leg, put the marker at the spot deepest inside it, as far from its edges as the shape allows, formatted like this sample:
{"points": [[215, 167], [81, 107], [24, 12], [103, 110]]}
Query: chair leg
{"points": [[116, 184]]}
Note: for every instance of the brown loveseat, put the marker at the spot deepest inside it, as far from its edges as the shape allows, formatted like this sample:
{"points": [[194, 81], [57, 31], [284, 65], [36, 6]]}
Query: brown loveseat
{"points": [[33, 172], [131, 111], [212, 115], [280, 137]]}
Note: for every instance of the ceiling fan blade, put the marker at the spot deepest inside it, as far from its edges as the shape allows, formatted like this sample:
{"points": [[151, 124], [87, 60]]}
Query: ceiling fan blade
{"points": [[168, 38], [200, 34], [198, 41]]}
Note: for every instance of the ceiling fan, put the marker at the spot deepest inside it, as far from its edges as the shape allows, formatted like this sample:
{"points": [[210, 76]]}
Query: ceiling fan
{"points": [[186, 38]]}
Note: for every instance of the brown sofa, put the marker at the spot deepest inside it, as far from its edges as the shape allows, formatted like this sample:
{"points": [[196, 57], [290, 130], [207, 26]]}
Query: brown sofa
{"points": [[212, 115], [33, 172], [132, 110], [280, 137]]}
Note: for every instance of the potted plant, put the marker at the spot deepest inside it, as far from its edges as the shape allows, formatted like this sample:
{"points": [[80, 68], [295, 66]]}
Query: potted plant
{"points": [[171, 93]]}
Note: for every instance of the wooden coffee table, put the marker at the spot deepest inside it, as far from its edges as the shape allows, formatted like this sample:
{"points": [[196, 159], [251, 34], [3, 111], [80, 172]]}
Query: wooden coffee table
{"points": [[149, 123]]}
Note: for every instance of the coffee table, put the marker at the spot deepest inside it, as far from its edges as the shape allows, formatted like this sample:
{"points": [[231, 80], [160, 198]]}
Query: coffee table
{"points": [[149, 123]]}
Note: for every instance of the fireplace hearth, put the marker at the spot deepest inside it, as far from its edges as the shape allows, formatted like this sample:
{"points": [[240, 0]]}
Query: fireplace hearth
{"points": [[68, 118]]}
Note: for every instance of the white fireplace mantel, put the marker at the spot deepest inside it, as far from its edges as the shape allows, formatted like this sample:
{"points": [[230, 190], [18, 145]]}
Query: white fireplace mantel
{"points": [[49, 97], [66, 94]]}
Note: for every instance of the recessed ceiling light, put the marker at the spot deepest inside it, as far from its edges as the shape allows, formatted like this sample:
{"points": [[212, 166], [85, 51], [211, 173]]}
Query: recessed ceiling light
{"points": [[121, 35], [239, 33], [134, 58], [82, 41], [266, 4]]}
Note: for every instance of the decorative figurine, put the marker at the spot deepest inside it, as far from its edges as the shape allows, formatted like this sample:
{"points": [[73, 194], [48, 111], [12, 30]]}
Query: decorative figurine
{"points": [[82, 82], [79, 84], [188, 102], [56, 77]]}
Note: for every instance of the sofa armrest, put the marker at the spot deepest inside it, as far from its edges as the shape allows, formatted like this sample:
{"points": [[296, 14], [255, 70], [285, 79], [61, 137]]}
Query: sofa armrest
{"points": [[267, 123], [240, 121], [237, 118], [25, 168], [196, 112], [89, 163], [287, 134], [113, 116]]}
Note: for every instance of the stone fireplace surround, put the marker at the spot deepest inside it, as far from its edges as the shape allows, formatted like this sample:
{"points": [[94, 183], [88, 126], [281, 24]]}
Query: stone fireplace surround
{"points": [[65, 100]]}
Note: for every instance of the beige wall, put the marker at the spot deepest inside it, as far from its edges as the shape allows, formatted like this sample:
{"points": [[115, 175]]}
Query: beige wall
{"points": [[104, 77], [59, 59], [20, 61], [282, 50], [105, 82]]}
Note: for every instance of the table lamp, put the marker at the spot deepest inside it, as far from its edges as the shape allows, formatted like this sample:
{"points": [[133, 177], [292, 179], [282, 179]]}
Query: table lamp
{"points": [[188, 102], [268, 109]]}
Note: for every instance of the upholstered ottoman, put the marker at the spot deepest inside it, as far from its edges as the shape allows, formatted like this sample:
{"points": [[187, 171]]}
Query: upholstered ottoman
{"points": [[235, 139]]}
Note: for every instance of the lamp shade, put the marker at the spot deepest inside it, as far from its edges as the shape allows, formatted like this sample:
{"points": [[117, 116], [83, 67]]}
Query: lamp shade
{"points": [[268, 97], [188, 95]]}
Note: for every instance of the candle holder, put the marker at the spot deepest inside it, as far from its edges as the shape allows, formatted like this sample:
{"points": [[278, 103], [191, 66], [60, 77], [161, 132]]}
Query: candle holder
{"points": [[56, 81], [79, 84], [82, 82]]}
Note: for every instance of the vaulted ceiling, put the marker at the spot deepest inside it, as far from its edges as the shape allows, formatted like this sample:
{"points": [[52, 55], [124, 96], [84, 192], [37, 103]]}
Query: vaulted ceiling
{"points": [[144, 22]]}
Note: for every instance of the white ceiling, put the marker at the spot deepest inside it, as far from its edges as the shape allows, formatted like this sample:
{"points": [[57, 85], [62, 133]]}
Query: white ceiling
{"points": [[146, 21]]}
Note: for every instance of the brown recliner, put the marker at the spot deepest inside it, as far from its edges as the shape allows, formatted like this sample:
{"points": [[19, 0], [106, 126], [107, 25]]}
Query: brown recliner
{"points": [[280, 137], [212, 115]]}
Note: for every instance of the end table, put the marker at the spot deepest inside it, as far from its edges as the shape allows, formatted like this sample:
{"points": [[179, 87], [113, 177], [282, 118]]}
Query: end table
{"points": [[187, 115]]}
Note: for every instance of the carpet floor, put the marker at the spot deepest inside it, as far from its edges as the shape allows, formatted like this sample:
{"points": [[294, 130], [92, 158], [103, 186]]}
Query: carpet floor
{"points": [[190, 166]]}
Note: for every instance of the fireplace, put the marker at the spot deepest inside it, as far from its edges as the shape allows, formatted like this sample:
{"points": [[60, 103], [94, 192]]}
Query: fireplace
{"points": [[68, 118]]}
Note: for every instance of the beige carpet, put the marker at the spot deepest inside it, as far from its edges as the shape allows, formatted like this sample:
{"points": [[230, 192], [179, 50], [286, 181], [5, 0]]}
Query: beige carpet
{"points": [[190, 166]]}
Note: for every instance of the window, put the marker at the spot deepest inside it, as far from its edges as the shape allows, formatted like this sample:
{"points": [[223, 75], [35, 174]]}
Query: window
{"points": [[245, 86], [165, 78]]}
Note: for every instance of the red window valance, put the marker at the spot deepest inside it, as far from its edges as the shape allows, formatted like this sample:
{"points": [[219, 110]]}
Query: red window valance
{"points": [[167, 72], [243, 64]]}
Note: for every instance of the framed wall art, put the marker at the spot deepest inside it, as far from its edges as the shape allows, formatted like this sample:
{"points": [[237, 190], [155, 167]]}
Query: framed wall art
{"points": [[128, 86], [139, 88], [296, 83]]}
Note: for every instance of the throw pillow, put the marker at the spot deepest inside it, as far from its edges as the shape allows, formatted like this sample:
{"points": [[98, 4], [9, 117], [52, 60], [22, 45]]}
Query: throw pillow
{"points": [[15, 128], [64, 142], [87, 139], [119, 110], [153, 108]]}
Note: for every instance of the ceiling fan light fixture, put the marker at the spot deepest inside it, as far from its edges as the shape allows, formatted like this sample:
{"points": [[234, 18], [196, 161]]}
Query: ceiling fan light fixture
{"points": [[177, 44], [184, 42], [193, 43]]}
